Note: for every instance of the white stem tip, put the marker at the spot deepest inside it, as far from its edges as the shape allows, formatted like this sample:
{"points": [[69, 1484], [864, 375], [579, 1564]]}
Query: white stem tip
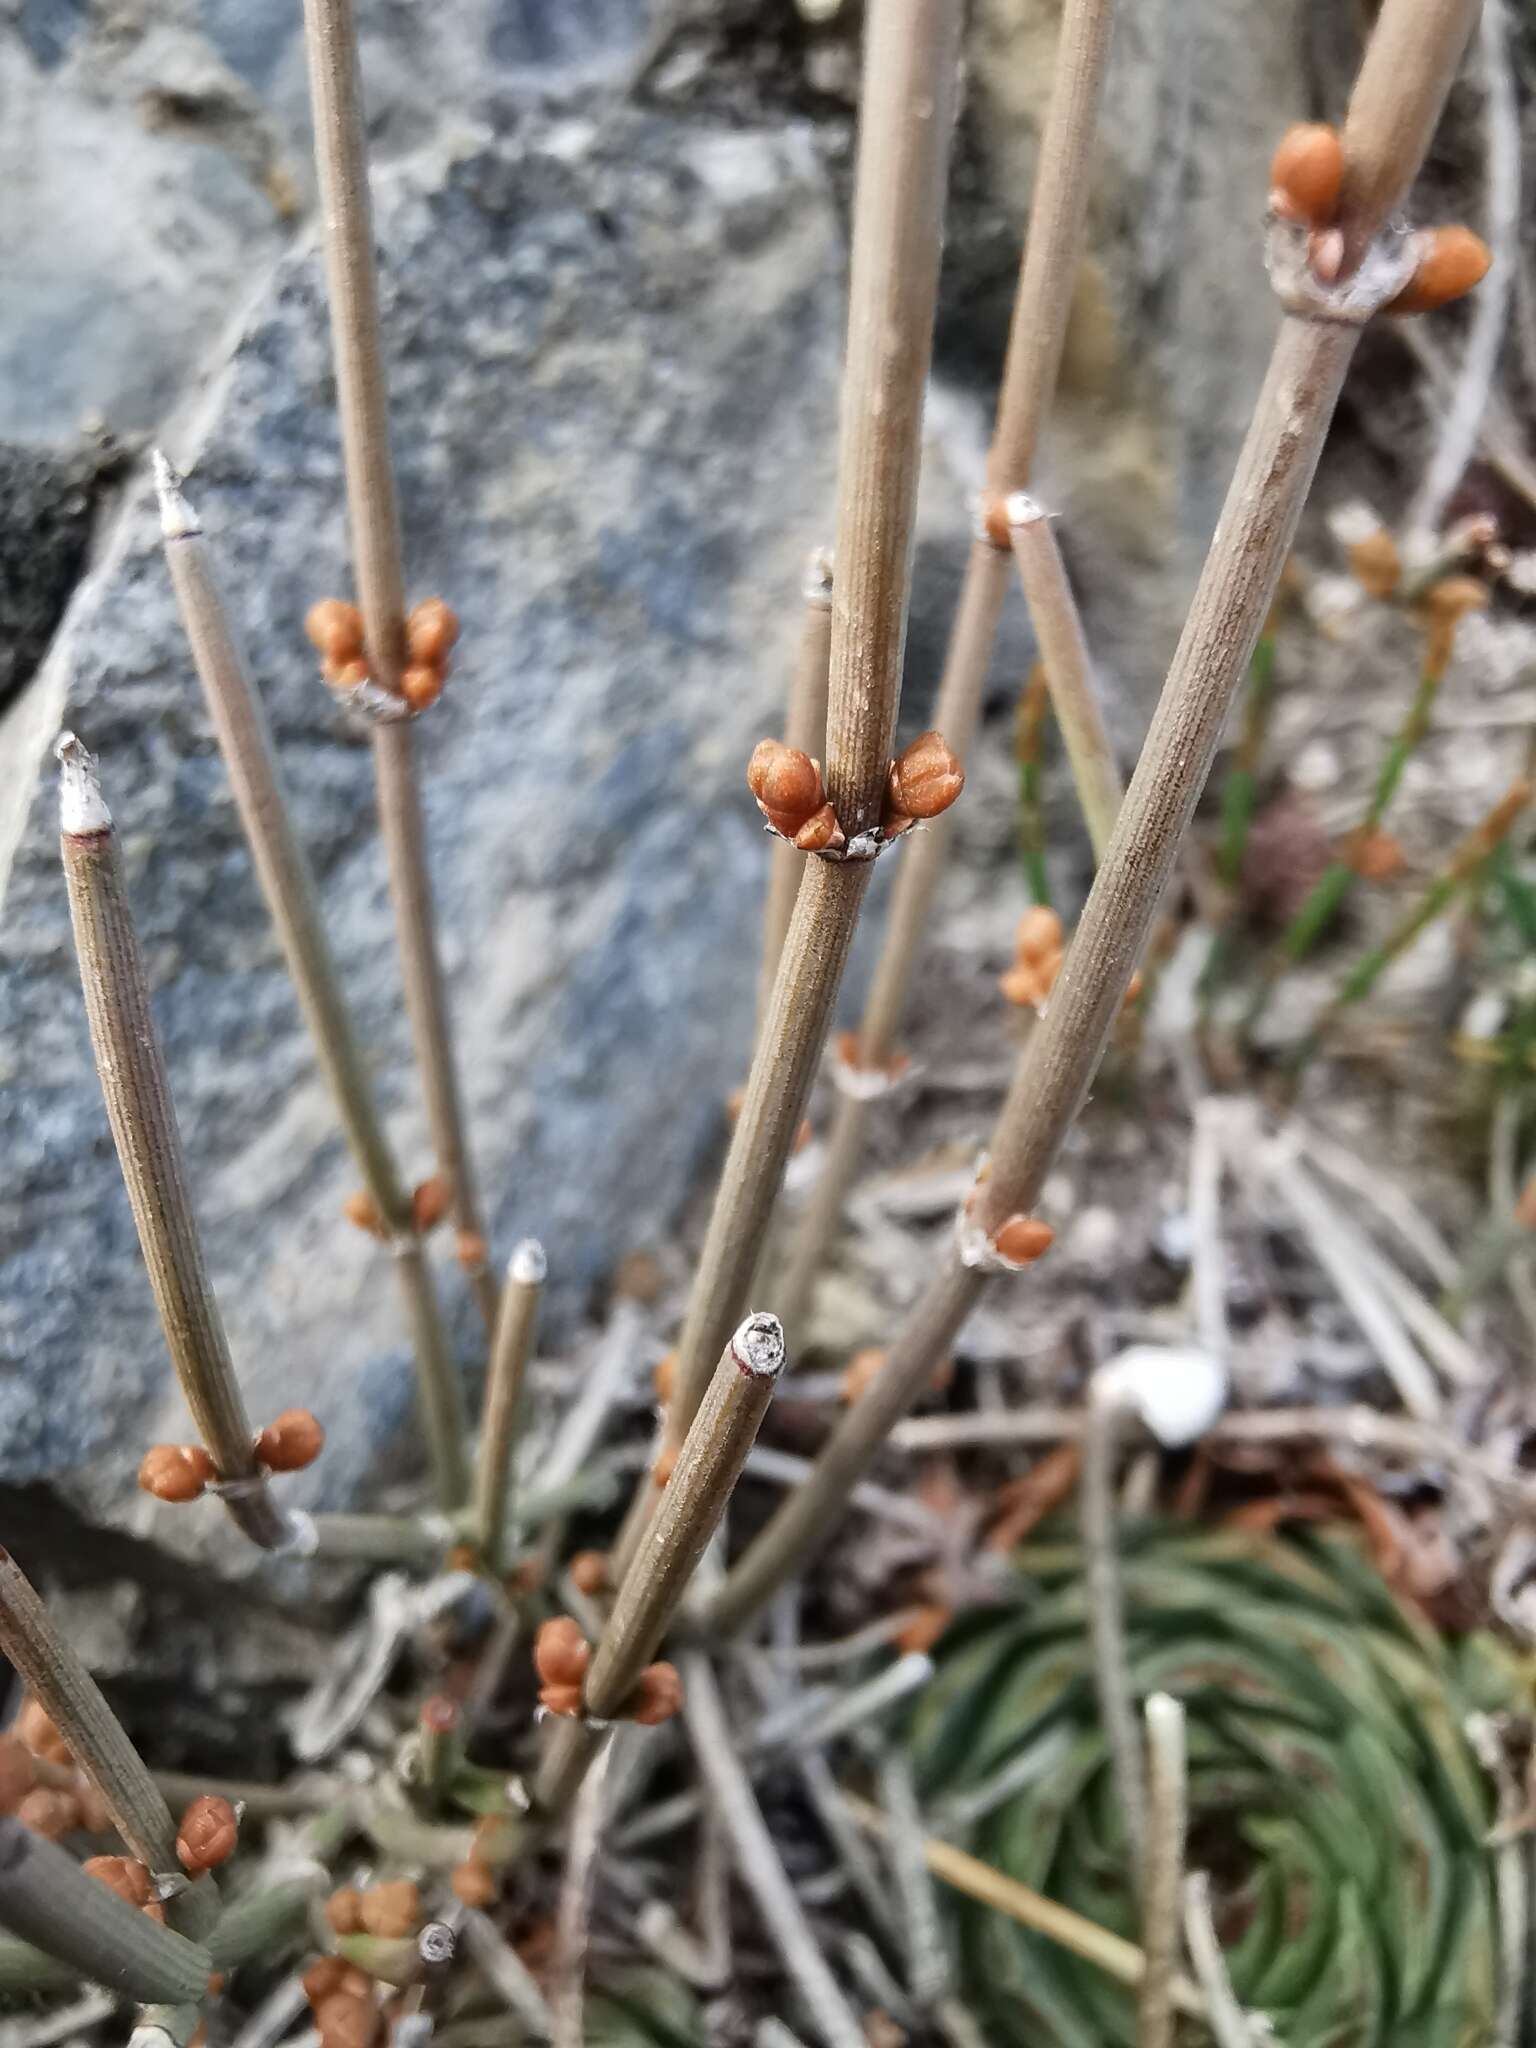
{"points": [[528, 1263], [82, 808], [759, 1347], [177, 519], [1177, 1390]]}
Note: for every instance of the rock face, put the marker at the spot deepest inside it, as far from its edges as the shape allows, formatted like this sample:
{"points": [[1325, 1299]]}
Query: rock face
{"points": [[613, 357]]}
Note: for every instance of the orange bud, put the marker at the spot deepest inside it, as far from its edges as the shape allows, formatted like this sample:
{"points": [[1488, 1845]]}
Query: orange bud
{"points": [[1038, 934], [666, 1376], [290, 1443], [925, 778], [48, 1813], [666, 1461], [323, 1978], [924, 1629], [346, 675], [432, 632], [335, 628], [362, 1210], [344, 1911], [121, 1874], [1306, 173], [1023, 1239], [421, 686], [429, 1204], [392, 1911], [1376, 564], [785, 779], [657, 1697], [561, 1699], [18, 1773], [34, 1727], [1451, 261], [208, 1833], [1452, 597], [589, 1571], [469, 1248], [561, 1653], [820, 832], [175, 1472], [439, 1714], [994, 520], [862, 1370], [1377, 857], [474, 1885], [347, 2020], [461, 1557], [1023, 987]]}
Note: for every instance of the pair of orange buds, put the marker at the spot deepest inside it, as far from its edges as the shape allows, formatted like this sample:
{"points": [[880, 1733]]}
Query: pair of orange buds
{"points": [[184, 1472], [561, 1655], [431, 631], [41, 1783], [1306, 185], [341, 1998], [923, 781], [1038, 943]]}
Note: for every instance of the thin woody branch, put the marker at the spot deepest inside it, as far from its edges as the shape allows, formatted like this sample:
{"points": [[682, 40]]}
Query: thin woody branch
{"points": [[911, 53], [342, 168], [692, 1503], [805, 728], [137, 1093], [510, 1350], [1037, 335], [1312, 353], [287, 883]]}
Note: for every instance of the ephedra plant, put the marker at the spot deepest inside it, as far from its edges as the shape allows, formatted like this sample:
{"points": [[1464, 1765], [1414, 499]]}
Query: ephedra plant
{"points": [[436, 1846]]}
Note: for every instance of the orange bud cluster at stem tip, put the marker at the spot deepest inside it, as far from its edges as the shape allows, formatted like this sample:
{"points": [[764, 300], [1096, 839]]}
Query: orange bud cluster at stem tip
{"points": [[792, 797], [657, 1697], [176, 1472], [1037, 949]]}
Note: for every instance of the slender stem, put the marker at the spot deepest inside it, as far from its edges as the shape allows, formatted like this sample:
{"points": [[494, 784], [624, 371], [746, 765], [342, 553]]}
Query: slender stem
{"points": [[1029, 733], [137, 1093], [1224, 2015], [1106, 1614], [1057, 218], [1162, 1877], [927, 1971], [1410, 65], [757, 1860], [335, 85], [510, 1351], [507, 1974], [911, 49], [692, 1504], [1068, 669], [1038, 332], [245, 740], [53, 1672], [573, 1921], [47, 1900], [1111, 1953], [805, 727]]}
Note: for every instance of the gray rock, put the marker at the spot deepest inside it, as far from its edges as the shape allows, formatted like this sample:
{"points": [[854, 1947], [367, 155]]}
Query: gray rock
{"points": [[613, 358]]}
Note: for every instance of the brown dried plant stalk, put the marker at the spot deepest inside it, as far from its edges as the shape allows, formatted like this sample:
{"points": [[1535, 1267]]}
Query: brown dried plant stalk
{"points": [[911, 49], [651, 1590], [341, 162], [131, 1066], [805, 727], [1037, 335], [510, 1350], [1068, 668], [287, 883], [1316, 342]]}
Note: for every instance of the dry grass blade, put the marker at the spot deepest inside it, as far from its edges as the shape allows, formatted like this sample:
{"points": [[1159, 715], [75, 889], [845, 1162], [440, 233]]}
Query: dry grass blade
{"points": [[342, 166], [510, 1350], [245, 742], [1068, 668], [908, 113], [694, 1499], [149, 1150], [1236, 588], [757, 1860]]}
